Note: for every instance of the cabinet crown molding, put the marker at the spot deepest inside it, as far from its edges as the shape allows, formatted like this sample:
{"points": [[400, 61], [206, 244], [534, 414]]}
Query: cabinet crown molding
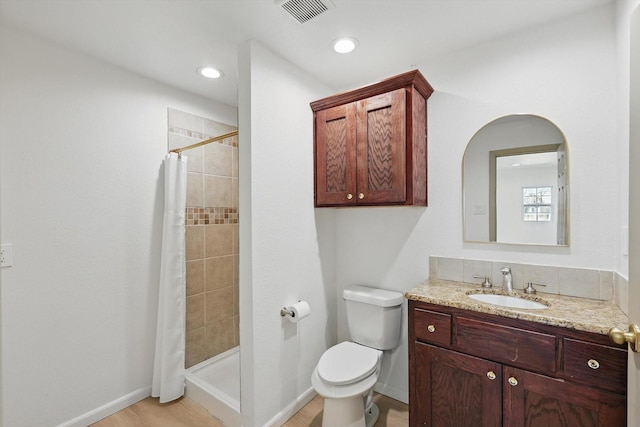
{"points": [[411, 78]]}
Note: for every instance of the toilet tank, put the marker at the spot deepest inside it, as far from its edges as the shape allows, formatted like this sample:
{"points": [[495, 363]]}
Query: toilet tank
{"points": [[374, 316]]}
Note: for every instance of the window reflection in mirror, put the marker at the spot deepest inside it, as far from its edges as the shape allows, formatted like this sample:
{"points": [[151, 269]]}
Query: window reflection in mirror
{"points": [[515, 186]]}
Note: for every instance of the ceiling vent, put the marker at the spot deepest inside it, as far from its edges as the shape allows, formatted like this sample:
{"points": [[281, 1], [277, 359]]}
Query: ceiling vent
{"points": [[305, 10]]}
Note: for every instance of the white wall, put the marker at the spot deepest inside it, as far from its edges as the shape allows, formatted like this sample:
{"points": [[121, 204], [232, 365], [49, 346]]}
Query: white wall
{"points": [[81, 148], [286, 247], [565, 72]]}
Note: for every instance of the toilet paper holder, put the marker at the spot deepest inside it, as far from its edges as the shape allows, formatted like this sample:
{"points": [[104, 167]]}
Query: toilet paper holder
{"points": [[284, 311], [296, 312]]}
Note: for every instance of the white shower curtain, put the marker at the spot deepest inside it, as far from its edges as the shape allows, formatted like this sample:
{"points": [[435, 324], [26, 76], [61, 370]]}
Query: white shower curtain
{"points": [[168, 366]]}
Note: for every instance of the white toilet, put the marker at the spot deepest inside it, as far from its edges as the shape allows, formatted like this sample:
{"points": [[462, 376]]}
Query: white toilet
{"points": [[347, 372]]}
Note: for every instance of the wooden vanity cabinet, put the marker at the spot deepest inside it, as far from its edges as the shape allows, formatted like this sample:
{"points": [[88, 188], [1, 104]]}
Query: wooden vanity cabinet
{"points": [[538, 400], [452, 389], [473, 369], [370, 144]]}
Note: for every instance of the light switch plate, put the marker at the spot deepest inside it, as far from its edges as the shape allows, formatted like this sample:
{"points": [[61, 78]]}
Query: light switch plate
{"points": [[6, 255]]}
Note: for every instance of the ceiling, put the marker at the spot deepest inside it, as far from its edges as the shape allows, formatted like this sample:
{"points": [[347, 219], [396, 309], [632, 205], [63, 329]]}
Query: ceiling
{"points": [[167, 40]]}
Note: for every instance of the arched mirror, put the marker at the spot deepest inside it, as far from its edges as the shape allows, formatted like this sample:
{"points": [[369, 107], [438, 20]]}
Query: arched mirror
{"points": [[515, 183]]}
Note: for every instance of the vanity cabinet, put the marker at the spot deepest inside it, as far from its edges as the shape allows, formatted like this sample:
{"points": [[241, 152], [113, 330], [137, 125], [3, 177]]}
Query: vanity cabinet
{"points": [[370, 144], [532, 399], [453, 389], [474, 369]]}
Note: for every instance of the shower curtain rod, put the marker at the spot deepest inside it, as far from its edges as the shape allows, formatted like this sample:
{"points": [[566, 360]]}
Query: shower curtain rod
{"points": [[205, 142]]}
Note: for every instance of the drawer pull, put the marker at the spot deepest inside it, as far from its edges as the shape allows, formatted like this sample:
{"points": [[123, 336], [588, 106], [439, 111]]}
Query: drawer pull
{"points": [[593, 364], [513, 381], [431, 328], [349, 196], [491, 375]]}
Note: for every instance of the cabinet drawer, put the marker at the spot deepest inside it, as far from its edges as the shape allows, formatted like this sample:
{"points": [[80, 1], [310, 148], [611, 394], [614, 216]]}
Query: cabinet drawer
{"points": [[597, 365], [516, 347], [432, 327]]}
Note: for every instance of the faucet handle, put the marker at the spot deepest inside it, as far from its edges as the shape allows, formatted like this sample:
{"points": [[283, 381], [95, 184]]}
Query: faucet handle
{"points": [[486, 283], [530, 289]]}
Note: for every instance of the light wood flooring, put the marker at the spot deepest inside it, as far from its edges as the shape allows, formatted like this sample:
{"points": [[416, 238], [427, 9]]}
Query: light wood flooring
{"points": [[186, 413]]}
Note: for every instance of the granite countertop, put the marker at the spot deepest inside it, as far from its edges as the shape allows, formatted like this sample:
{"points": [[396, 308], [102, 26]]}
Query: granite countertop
{"points": [[581, 314]]}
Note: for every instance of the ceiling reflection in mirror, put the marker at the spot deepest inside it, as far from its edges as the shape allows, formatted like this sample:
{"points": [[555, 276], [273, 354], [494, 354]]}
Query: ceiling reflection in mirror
{"points": [[515, 183]]}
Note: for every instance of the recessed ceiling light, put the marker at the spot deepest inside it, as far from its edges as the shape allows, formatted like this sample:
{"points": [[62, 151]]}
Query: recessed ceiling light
{"points": [[210, 72], [345, 44]]}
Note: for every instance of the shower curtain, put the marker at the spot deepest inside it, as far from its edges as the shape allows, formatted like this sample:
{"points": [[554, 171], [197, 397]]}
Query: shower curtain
{"points": [[168, 366]]}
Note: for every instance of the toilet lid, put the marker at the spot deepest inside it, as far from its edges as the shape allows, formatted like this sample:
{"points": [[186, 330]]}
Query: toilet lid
{"points": [[347, 363]]}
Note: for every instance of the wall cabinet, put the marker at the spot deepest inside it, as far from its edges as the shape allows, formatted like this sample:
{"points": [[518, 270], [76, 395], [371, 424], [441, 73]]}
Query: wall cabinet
{"points": [[473, 369], [370, 144]]}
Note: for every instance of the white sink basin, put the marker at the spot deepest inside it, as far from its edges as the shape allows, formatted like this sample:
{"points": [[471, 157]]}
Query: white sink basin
{"points": [[508, 301]]}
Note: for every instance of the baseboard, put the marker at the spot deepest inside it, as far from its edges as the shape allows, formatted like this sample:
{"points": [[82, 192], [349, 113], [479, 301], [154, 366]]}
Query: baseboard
{"points": [[108, 408], [281, 417], [392, 392]]}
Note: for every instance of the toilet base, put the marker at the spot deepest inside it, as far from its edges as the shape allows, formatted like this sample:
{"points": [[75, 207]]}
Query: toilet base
{"points": [[348, 413], [372, 415]]}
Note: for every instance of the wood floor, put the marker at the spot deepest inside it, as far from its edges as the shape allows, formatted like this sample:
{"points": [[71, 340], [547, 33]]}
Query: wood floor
{"points": [[149, 413], [186, 413], [392, 413]]}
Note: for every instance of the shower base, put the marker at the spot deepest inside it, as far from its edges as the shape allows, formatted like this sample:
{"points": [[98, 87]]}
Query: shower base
{"points": [[215, 385]]}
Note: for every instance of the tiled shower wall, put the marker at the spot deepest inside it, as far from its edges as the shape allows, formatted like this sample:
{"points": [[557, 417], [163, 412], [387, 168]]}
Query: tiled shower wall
{"points": [[211, 235]]}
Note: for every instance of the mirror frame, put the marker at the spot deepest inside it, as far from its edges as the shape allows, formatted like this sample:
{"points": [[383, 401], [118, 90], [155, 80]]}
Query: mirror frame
{"points": [[493, 154]]}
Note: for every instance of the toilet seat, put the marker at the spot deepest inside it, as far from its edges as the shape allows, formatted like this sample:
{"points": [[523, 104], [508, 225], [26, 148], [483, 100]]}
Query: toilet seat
{"points": [[347, 363]]}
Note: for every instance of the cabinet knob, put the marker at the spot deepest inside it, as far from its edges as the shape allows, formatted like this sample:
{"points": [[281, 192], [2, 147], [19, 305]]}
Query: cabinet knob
{"points": [[513, 381], [431, 328], [491, 375], [349, 196], [593, 364], [361, 196]]}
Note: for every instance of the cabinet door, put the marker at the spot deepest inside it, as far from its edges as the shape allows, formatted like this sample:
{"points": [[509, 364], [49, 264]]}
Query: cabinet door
{"points": [[336, 156], [381, 136], [535, 400], [454, 389]]}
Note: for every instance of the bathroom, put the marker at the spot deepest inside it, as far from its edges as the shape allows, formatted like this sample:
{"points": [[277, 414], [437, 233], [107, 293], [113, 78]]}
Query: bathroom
{"points": [[81, 147]]}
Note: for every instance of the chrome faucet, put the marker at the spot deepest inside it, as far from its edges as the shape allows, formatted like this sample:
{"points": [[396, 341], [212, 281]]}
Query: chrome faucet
{"points": [[507, 282]]}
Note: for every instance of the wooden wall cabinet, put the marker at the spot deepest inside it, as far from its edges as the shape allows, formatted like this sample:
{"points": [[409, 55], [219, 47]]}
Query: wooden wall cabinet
{"points": [[472, 369], [370, 144]]}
